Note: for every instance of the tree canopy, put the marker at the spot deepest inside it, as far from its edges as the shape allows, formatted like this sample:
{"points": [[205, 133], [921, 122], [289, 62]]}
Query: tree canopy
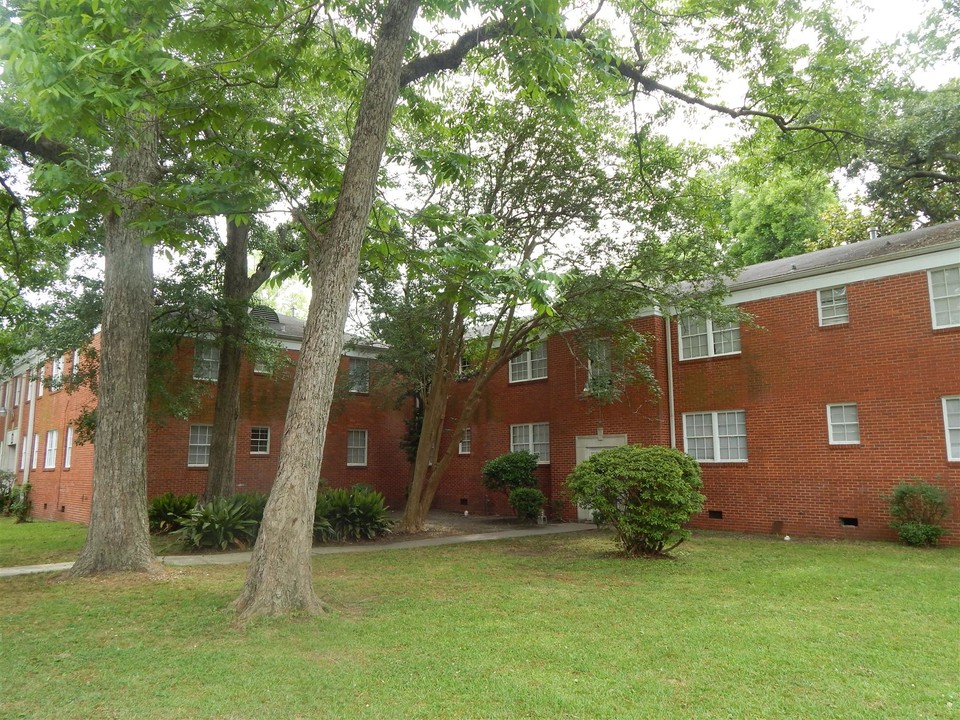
{"points": [[134, 121]]}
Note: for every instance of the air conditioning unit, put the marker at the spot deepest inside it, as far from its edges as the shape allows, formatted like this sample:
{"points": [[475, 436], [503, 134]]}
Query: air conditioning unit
{"points": [[11, 437]]}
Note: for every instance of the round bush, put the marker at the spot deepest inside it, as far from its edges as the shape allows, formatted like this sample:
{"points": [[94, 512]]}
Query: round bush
{"points": [[509, 471], [645, 493], [527, 501], [918, 509]]}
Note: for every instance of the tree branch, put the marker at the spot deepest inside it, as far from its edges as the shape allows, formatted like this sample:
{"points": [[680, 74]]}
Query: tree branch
{"points": [[452, 57], [24, 143]]}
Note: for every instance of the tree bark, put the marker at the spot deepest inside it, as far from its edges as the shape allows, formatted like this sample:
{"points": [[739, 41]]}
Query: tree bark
{"points": [[279, 578], [119, 538], [237, 290], [431, 432]]}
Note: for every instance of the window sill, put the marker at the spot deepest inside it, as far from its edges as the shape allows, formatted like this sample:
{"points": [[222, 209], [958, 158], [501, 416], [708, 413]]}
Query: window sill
{"points": [[531, 380], [705, 358]]}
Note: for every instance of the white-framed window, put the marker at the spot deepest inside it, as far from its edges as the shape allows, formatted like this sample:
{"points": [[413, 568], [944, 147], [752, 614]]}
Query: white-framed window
{"points": [[30, 385], [529, 365], [36, 451], [68, 448], [75, 362], [206, 362], [951, 425], [945, 296], [56, 373], [41, 373], [702, 337], [599, 366], [23, 454], [198, 453], [17, 391], [260, 440], [356, 448], [359, 375], [466, 442], [832, 306], [532, 437], [50, 457], [843, 424], [716, 436]]}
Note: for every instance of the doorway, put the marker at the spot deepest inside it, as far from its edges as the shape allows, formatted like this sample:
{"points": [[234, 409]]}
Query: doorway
{"points": [[587, 445]]}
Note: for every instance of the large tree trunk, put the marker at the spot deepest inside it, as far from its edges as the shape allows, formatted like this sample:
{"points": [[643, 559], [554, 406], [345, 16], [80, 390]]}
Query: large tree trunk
{"points": [[236, 295], [431, 431], [279, 578], [119, 538]]}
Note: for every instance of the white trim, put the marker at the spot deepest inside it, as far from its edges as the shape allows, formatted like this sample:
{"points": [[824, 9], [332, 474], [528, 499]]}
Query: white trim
{"points": [[715, 435], [466, 440], [530, 444], [36, 451], [933, 309], [50, 451], [844, 423], [525, 361], [948, 428], [358, 383], [365, 447], [68, 448], [191, 444], [836, 320], [259, 440], [711, 337], [209, 367]]}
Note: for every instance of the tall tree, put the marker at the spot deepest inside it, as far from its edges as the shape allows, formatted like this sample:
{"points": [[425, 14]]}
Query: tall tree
{"points": [[105, 95], [513, 245], [781, 217]]}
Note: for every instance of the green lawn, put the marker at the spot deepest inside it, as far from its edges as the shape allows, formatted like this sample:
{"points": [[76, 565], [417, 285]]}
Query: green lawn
{"points": [[41, 541], [552, 627]]}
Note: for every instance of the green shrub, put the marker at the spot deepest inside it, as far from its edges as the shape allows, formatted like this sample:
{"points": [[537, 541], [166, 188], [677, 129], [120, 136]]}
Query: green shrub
{"points": [[918, 509], [510, 471], [527, 501], [357, 513], [167, 511], [20, 503], [221, 523], [256, 503], [7, 479], [645, 493]]}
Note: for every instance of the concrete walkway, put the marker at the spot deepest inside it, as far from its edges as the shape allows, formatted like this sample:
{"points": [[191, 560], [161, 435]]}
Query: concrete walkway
{"points": [[236, 558]]}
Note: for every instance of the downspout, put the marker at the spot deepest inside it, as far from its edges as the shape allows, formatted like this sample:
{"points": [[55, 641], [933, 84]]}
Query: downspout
{"points": [[671, 410], [28, 441]]}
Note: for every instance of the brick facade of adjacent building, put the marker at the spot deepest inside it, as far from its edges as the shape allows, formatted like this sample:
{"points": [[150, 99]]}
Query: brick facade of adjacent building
{"points": [[882, 369]]}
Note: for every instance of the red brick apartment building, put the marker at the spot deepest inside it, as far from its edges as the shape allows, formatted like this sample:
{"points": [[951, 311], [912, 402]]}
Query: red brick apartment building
{"points": [[846, 381]]}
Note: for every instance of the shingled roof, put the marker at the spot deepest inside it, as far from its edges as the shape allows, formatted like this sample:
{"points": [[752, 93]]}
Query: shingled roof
{"points": [[865, 252]]}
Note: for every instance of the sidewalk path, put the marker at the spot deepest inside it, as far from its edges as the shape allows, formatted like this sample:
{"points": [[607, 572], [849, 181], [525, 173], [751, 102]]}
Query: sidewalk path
{"points": [[242, 557]]}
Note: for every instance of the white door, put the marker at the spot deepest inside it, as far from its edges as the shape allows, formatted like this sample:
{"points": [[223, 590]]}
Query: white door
{"points": [[586, 446]]}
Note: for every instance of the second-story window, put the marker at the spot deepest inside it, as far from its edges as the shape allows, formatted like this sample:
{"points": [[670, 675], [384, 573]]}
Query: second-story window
{"points": [[832, 306], [703, 337], [529, 365], [359, 371], [206, 362]]}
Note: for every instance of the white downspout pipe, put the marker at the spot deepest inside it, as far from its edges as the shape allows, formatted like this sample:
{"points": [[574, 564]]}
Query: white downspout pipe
{"points": [[671, 410], [28, 440]]}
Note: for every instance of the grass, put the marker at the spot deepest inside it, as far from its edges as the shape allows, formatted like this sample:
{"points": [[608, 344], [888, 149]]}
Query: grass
{"points": [[552, 627], [42, 541]]}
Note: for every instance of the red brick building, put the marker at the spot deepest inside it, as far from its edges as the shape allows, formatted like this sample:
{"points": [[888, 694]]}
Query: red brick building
{"points": [[846, 381]]}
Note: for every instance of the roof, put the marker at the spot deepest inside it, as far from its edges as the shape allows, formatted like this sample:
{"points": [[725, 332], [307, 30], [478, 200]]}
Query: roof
{"points": [[865, 252]]}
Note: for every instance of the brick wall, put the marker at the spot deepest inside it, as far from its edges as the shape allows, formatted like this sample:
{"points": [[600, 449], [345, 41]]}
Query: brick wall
{"points": [[887, 359]]}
